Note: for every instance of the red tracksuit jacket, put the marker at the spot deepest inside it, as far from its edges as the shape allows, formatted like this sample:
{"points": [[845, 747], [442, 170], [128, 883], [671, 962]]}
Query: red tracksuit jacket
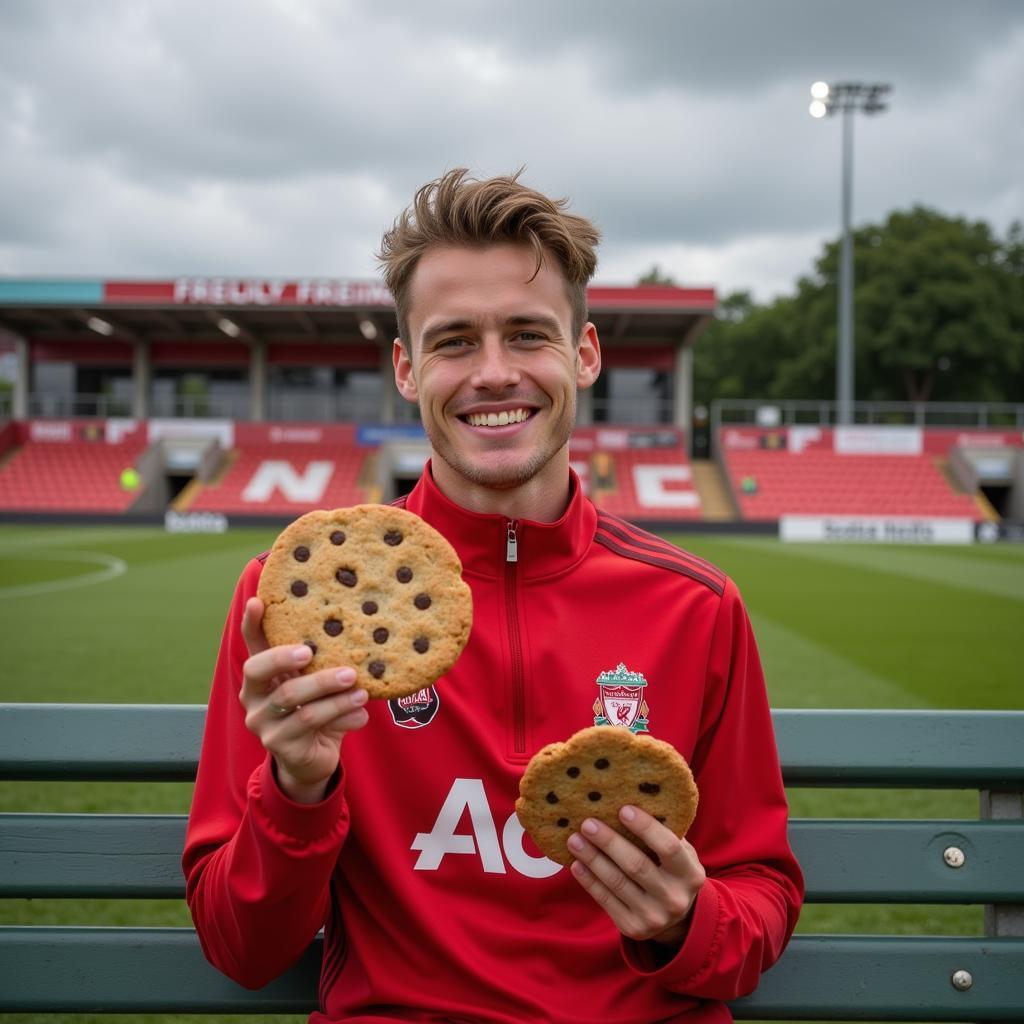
{"points": [[434, 905]]}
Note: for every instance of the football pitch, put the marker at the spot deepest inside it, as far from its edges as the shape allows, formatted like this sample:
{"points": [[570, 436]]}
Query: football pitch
{"points": [[134, 615]]}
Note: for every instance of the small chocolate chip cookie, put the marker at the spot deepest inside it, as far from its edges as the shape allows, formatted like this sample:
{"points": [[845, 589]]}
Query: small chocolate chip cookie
{"points": [[373, 587], [592, 775]]}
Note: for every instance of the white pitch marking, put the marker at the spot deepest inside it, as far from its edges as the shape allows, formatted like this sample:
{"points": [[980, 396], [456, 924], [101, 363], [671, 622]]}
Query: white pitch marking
{"points": [[112, 568]]}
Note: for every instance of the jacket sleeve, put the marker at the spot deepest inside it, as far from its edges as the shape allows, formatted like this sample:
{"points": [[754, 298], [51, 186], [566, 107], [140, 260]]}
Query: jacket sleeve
{"points": [[257, 865], [748, 907]]}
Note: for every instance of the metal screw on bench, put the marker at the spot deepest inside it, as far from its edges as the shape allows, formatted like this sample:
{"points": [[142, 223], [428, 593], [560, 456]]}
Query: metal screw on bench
{"points": [[954, 857], [962, 980]]}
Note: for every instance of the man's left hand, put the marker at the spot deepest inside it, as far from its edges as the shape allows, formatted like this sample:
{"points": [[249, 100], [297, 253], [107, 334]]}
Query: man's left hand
{"points": [[646, 900]]}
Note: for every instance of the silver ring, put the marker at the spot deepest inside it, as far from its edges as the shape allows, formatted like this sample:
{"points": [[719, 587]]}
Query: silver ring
{"points": [[276, 709]]}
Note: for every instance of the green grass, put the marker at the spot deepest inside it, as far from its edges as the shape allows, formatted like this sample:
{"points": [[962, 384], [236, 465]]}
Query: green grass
{"points": [[838, 626]]}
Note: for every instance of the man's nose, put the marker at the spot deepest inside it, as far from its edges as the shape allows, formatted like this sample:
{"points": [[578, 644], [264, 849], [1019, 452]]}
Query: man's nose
{"points": [[495, 367]]}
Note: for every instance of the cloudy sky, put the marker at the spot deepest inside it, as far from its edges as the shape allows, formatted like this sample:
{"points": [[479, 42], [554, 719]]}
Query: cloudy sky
{"points": [[153, 138]]}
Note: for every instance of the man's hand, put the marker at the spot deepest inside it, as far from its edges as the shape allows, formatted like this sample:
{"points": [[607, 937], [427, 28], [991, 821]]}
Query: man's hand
{"points": [[645, 900], [300, 719]]}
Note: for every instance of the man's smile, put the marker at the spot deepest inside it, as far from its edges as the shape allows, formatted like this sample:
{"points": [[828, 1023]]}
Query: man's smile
{"points": [[497, 419]]}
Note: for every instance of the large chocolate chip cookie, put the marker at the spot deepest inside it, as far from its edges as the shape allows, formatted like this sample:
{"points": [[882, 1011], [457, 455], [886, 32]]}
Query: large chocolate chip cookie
{"points": [[373, 587]]}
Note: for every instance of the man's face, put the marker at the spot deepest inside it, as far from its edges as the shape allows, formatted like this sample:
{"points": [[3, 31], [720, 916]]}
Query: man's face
{"points": [[494, 367]]}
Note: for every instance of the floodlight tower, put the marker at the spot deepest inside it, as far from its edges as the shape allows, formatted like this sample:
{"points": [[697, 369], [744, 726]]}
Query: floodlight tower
{"points": [[826, 100]]}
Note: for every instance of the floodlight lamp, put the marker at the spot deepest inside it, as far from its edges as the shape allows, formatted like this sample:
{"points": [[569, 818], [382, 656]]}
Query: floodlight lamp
{"points": [[817, 108], [229, 327], [820, 90], [368, 329], [94, 323]]}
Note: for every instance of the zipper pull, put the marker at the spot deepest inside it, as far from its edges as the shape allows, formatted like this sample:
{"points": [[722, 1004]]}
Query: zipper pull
{"points": [[512, 542]]}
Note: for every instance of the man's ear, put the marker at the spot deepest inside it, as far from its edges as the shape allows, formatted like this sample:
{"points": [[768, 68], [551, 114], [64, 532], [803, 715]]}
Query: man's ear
{"points": [[588, 357], [405, 381]]}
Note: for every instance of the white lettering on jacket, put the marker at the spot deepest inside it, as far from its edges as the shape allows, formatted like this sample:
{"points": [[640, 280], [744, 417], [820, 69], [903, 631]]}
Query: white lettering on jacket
{"points": [[442, 839]]}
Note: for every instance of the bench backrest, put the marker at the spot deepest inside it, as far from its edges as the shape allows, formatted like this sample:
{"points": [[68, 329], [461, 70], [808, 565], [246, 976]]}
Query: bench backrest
{"points": [[835, 977]]}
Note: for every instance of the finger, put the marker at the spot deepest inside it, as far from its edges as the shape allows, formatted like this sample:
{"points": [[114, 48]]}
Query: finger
{"points": [[306, 691], [275, 663], [344, 711], [252, 626], [675, 855], [620, 858], [619, 912]]}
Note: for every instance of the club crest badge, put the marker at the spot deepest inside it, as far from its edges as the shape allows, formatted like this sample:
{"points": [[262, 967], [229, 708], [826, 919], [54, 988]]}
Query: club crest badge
{"points": [[416, 710], [621, 700]]}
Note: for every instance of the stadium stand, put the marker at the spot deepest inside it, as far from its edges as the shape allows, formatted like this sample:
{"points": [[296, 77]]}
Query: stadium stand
{"points": [[825, 471], [276, 479], [69, 467], [639, 474]]}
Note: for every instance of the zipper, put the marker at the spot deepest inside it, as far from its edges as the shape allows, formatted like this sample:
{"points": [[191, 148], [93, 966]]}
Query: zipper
{"points": [[515, 639]]}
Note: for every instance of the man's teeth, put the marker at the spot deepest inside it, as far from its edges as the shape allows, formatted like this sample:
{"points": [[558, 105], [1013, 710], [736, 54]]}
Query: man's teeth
{"points": [[497, 419]]}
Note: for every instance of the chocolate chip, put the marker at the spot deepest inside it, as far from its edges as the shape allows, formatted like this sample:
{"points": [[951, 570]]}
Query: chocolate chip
{"points": [[649, 787], [393, 538], [551, 798], [332, 627], [376, 669], [404, 574], [299, 589], [338, 537], [421, 645], [369, 607], [310, 645], [601, 762], [563, 822], [661, 818], [594, 796], [346, 576], [380, 636], [422, 601], [572, 772], [301, 554]]}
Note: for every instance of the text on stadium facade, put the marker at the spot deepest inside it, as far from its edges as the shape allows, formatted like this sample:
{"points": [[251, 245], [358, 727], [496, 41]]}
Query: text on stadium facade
{"points": [[229, 291]]}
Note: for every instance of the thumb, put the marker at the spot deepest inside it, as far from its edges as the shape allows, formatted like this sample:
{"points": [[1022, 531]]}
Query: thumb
{"points": [[252, 626]]}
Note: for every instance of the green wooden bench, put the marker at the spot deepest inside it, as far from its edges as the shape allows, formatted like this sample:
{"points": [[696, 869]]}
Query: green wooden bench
{"points": [[820, 977]]}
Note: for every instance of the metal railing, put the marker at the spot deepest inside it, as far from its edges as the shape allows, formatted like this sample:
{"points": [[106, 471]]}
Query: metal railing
{"points": [[60, 405], [783, 413]]}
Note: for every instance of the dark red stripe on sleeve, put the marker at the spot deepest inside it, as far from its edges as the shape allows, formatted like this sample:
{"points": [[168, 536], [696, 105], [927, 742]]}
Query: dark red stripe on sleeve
{"points": [[651, 558], [633, 536]]}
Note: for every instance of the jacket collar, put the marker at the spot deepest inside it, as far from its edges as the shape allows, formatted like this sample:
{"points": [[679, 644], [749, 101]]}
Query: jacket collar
{"points": [[481, 539]]}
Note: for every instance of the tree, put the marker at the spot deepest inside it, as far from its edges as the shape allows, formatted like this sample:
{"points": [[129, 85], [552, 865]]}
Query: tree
{"points": [[656, 276], [939, 315]]}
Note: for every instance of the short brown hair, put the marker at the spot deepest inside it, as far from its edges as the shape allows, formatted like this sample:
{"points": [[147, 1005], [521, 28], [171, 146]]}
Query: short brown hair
{"points": [[458, 210]]}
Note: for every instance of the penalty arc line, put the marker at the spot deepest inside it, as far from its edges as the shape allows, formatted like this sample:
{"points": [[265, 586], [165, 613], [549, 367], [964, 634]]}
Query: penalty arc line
{"points": [[112, 568]]}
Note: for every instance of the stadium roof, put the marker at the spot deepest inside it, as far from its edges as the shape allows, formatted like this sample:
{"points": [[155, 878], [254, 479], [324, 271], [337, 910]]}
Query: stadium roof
{"points": [[298, 311]]}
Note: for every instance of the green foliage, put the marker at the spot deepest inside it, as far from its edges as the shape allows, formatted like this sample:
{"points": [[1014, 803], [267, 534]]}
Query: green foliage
{"points": [[938, 315], [656, 276]]}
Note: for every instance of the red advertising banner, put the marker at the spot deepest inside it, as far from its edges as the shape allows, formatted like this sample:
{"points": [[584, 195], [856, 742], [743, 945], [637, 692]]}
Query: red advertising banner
{"points": [[344, 293]]}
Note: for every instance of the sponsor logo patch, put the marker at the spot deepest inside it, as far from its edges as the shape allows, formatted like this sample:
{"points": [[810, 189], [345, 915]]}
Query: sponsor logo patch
{"points": [[416, 710]]}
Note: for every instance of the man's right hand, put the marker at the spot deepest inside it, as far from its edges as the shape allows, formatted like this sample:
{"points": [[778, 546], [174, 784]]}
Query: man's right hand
{"points": [[300, 719]]}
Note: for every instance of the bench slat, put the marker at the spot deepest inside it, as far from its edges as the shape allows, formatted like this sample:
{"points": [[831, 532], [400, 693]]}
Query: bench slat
{"points": [[849, 860], [102, 742], [129, 970], [937, 749], [911, 749]]}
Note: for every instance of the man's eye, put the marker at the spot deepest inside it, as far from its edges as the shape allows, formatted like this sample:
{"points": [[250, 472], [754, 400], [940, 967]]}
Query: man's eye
{"points": [[451, 343], [529, 336]]}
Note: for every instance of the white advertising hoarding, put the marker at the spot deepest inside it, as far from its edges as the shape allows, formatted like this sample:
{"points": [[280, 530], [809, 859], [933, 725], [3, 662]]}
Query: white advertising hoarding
{"points": [[876, 529]]}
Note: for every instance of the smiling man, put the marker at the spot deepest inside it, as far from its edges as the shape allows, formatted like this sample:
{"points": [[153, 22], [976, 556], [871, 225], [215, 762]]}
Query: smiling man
{"points": [[391, 823]]}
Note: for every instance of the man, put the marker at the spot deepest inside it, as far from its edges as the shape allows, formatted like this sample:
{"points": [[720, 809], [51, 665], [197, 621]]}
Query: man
{"points": [[391, 823]]}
